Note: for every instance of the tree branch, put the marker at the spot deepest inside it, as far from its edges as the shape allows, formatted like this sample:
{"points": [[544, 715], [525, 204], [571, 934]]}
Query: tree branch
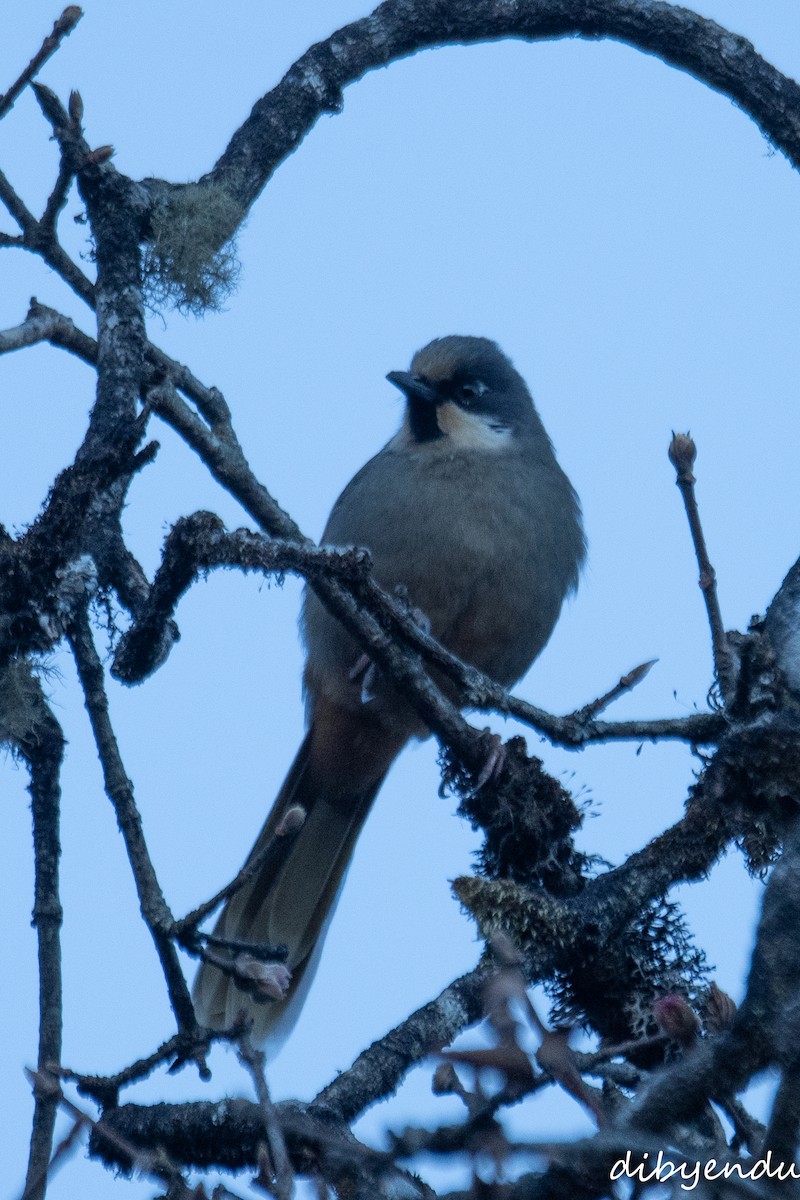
{"points": [[379, 1070], [156, 914], [62, 28], [42, 746], [315, 83]]}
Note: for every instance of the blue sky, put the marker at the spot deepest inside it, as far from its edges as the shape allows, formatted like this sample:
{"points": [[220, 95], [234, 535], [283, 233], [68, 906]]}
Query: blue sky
{"points": [[632, 242]]}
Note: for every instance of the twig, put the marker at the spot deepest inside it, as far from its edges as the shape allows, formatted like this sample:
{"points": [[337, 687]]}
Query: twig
{"points": [[61, 29], [625, 684], [272, 855], [155, 911], [253, 1060], [749, 1131], [682, 453], [724, 1065], [17, 208], [57, 198], [315, 83], [177, 1050], [155, 1164], [379, 1070], [37, 1186], [257, 950], [105, 1089], [42, 746]]}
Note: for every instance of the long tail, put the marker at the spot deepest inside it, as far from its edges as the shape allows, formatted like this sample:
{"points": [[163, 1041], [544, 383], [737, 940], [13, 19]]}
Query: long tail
{"points": [[335, 776]]}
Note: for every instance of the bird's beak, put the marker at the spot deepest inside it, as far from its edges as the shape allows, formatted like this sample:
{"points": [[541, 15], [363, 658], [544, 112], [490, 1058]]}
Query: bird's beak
{"points": [[414, 386]]}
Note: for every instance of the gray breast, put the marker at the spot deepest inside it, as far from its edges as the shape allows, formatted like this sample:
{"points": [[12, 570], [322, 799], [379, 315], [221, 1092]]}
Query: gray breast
{"points": [[487, 545]]}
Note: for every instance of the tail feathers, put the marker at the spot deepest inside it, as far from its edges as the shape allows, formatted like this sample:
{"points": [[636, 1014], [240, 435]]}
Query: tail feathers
{"points": [[293, 903]]}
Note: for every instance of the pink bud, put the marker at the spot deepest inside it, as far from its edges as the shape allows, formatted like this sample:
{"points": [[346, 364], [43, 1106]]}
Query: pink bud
{"points": [[676, 1019]]}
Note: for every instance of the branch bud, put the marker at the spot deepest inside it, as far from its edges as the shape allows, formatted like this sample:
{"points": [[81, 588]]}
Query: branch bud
{"points": [[676, 1019], [719, 1010], [76, 107], [445, 1081], [682, 453], [68, 20], [292, 820], [96, 158]]}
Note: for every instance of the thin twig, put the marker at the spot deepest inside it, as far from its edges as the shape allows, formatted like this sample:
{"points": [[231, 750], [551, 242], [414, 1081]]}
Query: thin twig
{"points": [[258, 950], [119, 789], [379, 1070], [43, 747], [16, 207], [155, 1164], [176, 1051], [61, 29], [626, 683], [682, 454], [58, 197], [253, 1060], [105, 1089], [272, 855]]}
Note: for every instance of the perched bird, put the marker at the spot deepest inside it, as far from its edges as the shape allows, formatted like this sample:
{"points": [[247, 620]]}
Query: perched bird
{"points": [[468, 511]]}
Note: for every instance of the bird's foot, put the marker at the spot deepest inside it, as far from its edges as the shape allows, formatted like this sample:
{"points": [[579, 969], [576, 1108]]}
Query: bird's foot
{"points": [[495, 760], [364, 673], [264, 981]]}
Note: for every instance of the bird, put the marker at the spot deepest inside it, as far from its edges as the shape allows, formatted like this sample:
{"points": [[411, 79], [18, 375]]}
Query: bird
{"points": [[467, 514]]}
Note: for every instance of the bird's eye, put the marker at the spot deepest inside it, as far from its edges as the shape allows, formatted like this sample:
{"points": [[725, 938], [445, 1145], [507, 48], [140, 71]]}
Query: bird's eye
{"points": [[471, 391]]}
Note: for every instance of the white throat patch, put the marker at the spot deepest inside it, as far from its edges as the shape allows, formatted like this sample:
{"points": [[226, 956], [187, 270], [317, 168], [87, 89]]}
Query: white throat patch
{"points": [[472, 431], [463, 430]]}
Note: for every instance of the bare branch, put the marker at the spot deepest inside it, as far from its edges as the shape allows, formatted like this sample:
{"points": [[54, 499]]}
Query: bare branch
{"points": [[42, 746], [153, 1163], [57, 198], [21, 214], [315, 83], [626, 683], [281, 1168], [61, 29], [155, 911], [273, 854], [380, 1070], [682, 454]]}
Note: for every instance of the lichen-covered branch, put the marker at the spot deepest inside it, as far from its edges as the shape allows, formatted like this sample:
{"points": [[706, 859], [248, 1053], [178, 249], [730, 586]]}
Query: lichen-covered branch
{"points": [[379, 1070], [42, 746], [397, 28]]}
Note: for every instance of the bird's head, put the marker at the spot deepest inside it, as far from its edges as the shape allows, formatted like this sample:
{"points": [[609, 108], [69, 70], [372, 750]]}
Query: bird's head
{"points": [[466, 390]]}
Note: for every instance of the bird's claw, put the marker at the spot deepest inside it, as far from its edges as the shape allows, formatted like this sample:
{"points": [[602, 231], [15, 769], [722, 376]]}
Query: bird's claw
{"points": [[495, 761], [364, 673]]}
